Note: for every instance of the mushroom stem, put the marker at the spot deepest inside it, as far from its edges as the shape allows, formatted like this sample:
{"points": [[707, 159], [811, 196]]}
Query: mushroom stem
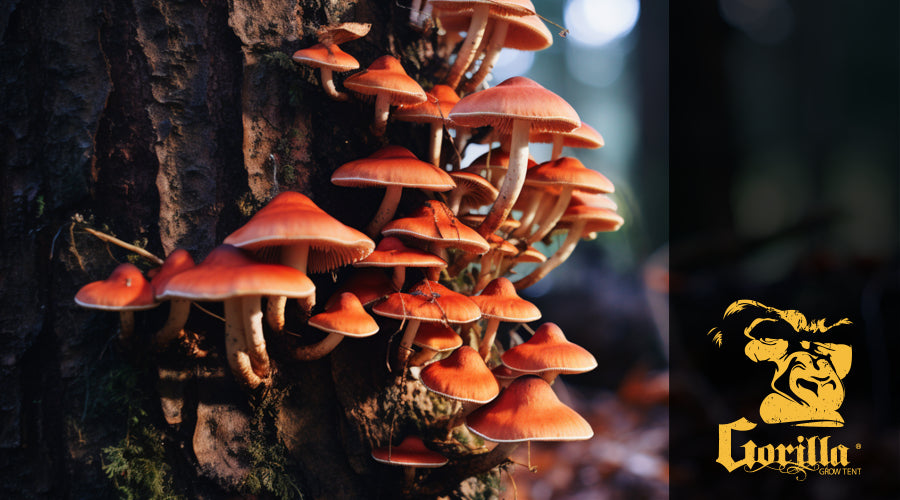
{"points": [[319, 349], [466, 53], [422, 357], [235, 345], [179, 309], [275, 312], [253, 334], [487, 339], [434, 143], [415, 13], [491, 54], [386, 210], [126, 324], [488, 261], [399, 277], [546, 224], [382, 111], [558, 257], [327, 77], [295, 256], [405, 349], [527, 219], [557, 147], [512, 182]]}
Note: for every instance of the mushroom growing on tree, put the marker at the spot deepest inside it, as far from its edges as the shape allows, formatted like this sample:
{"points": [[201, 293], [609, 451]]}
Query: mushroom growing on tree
{"points": [[462, 377], [328, 59], [500, 302], [179, 309], [435, 112], [392, 253], [387, 81], [344, 318], [411, 454], [435, 226], [230, 275], [393, 168], [549, 353], [434, 338], [517, 105], [124, 291]]}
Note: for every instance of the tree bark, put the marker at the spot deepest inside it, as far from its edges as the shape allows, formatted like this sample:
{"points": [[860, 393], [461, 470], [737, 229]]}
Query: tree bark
{"points": [[168, 124]]}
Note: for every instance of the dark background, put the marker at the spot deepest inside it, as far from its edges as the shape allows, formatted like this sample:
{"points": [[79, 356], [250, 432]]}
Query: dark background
{"points": [[783, 142]]}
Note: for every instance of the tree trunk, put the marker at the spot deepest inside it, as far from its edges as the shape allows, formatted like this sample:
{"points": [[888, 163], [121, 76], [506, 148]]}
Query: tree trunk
{"points": [[167, 124]]}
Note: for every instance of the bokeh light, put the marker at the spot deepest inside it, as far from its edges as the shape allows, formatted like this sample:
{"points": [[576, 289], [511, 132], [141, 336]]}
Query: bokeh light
{"points": [[598, 22]]}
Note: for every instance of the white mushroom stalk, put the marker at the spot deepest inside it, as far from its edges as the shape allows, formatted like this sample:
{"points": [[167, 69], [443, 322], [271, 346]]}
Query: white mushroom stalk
{"points": [[173, 329], [512, 182], [386, 210], [491, 54], [487, 339], [551, 217], [469, 48], [236, 345], [253, 335], [319, 349]]}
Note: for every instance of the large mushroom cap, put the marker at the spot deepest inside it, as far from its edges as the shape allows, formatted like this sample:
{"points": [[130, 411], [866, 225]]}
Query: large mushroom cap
{"points": [[500, 300], [229, 272], [462, 376], [429, 301], [392, 166], [125, 289], [345, 316], [291, 218], [548, 350], [386, 76], [528, 410], [436, 109], [435, 224], [437, 337], [329, 57], [411, 453], [517, 98]]}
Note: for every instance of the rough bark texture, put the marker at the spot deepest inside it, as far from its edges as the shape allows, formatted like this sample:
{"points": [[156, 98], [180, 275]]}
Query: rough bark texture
{"points": [[167, 124]]}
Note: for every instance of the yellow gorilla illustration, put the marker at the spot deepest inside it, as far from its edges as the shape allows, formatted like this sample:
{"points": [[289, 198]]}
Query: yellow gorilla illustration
{"points": [[810, 361]]}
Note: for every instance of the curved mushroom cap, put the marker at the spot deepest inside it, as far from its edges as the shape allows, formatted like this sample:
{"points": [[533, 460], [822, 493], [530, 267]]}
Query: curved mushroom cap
{"points": [[475, 190], [503, 374], [596, 200], [596, 219], [548, 350], [532, 255], [499, 300], [321, 56], [584, 137], [368, 285], [500, 246], [229, 272], [125, 289], [437, 337], [434, 223], [524, 32], [391, 252], [498, 7], [528, 410], [568, 171], [344, 32], [411, 453], [429, 301], [345, 316], [517, 98], [474, 220], [392, 166], [291, 218], [462, 376], [436, 109], [386, 76], [177, 261]]}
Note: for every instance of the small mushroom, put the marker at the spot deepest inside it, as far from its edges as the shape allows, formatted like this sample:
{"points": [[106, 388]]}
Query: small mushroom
{"points": [[434, 338], [328, 59], [387, 81], [499, 302], [391, 252], [548, 353], [345, 318], [179, 309], [411, 454], [124, 291], [462, 377]]}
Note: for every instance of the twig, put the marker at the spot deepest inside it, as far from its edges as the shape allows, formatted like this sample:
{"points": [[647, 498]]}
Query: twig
{"points": [[127, 246]]}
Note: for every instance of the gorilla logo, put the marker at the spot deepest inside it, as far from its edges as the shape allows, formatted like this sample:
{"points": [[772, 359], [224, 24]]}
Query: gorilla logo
{"points": [[810, 359]]}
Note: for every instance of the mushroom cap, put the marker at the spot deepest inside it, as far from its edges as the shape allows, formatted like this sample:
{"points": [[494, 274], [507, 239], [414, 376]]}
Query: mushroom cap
{"points": [[517, 98], [437, 337], [345, 316], [462, 376], [500, 246], [476, 190], [177, 261], [502, 372], [528, 410], [125, 289], [596, 200], [497, 7], [524, 32], [392, 166], [229, 272], [530, 254], [499, 300], [568, 171], [585, 137], [391, 252], [429, 301], [411, 453], [368, 285], [596, 219], [436, 109], [548, 350], [328, 57], [386, 76], [343, 32], [291, 218], [474, 220], [435, 224]]}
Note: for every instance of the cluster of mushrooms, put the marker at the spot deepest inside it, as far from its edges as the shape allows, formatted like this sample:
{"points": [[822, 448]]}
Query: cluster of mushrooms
{"points": [[478, 222]]}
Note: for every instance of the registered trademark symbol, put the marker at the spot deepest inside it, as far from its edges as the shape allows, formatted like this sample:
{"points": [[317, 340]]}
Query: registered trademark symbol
{"points": [[858, 446]]}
